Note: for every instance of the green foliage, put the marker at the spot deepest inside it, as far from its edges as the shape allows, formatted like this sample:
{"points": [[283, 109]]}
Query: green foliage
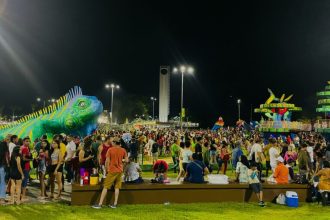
{"points": [[130, 105]]}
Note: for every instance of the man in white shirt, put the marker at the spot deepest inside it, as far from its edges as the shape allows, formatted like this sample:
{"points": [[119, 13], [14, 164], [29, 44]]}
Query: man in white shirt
{"points": [[256, 151], [273, 154], [256, 156], [70, 152], [12, 144]]}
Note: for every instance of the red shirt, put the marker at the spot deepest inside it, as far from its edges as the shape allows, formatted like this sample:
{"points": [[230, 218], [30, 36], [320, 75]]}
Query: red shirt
{"points": [[158, 163], [104, 151], [26, 151], [116, 156]]}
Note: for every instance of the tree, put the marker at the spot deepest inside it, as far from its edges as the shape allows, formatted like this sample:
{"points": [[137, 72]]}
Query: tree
{"points": [[128, 106]]}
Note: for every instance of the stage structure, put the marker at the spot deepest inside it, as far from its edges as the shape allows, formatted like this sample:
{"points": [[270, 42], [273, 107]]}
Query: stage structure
{"points": [[164, 93], [73, 113], [278, 113], [323, 126]]}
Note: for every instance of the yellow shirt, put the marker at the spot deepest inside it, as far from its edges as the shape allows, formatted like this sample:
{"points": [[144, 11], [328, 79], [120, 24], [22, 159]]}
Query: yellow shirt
{"points": [[324, 179], [62, 149]]}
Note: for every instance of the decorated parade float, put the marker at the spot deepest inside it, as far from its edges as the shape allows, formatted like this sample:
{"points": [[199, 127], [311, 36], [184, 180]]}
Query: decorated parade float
{"points": [[73, 113], [277, 116], [323, 125]]}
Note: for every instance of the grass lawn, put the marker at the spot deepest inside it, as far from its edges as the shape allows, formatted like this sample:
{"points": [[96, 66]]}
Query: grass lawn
{"points": [[173, 211]]}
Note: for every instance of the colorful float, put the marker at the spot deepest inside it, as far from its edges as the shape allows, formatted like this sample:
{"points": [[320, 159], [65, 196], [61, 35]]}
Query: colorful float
{"points": [[278, 113], [323, 125]]}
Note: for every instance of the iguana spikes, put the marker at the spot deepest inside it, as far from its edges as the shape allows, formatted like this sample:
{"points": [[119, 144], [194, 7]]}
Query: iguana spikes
{"points": [[75, 91]]}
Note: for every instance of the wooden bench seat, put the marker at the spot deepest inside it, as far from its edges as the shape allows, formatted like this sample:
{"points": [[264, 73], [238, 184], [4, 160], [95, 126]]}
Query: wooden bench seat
{"points": [[151, 193]]}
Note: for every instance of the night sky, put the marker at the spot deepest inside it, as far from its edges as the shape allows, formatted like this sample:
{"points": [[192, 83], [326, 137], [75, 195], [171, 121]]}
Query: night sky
{"points": [[237, 49]]}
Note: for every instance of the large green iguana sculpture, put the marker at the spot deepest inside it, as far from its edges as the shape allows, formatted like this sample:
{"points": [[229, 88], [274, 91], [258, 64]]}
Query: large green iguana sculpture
{"points": [[73, 113]]}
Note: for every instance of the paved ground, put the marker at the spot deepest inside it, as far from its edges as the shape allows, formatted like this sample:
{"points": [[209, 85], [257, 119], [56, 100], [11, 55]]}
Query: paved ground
{"points": [[33, 192]]}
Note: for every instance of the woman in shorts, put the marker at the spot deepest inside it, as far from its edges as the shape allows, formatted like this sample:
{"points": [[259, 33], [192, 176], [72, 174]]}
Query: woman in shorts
{"points": [[56, 169]]}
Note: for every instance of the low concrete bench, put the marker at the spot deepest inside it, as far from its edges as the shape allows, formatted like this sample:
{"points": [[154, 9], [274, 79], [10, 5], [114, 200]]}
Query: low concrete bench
{"points": [[150, 193]]}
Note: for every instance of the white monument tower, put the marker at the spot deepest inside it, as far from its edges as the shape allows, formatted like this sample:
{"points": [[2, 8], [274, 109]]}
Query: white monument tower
{"points": [[164, 93]]}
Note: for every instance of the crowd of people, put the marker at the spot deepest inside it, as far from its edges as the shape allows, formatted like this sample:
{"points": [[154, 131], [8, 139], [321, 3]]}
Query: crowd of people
{"points": [[194, 153]]}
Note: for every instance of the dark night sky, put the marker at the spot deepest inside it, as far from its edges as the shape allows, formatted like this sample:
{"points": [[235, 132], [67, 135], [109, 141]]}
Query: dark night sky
{"points": [[237, 49]]}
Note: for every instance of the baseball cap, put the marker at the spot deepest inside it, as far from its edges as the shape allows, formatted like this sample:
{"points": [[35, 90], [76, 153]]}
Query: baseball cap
{"points": [[280, 159]]}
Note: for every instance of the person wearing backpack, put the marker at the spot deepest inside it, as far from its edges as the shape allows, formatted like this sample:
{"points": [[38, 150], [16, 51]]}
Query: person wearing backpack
{"points": [[196, 170]]}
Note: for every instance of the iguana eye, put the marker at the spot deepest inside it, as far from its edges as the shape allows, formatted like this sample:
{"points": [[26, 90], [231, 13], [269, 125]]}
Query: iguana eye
{"points": [[81, 104]]}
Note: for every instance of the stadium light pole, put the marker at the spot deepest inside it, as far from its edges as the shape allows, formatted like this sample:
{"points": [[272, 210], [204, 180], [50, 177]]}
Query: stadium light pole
{"points": [[112, 87], [239, 101], [183, 70], [153, 99]]}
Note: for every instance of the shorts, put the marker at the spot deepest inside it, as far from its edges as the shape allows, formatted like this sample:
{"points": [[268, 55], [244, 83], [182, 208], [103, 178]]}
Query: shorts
{"points": [[15, 175], [53, 167], [256, 187], [113, 178], [26, 178], [155, 155], [184, 165]]}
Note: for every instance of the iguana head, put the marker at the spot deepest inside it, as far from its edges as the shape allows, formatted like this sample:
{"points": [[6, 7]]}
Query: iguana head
{"points": [[81, 111]]}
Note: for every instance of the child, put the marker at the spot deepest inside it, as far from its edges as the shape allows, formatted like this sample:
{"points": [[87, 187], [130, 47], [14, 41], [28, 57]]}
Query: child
{"points": [[254, 182]]}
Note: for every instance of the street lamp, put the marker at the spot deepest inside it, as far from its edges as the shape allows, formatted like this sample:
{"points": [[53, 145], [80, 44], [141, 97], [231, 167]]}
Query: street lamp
{"points": [[39, 100], [153, 99], [239, 101], [112, 87], [183, 70]]}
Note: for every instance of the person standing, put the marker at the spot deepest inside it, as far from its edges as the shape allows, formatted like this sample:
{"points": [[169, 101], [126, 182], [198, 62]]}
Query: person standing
{"points": [[224, 158], [103, 149], [274, 153], [27, 157], [186, 155], [86, 157], [70, 152], [56, 168], [42, 159], [4, 162], [254, 182], [115, 167], [266, 149], [236, 154], [12, 144], [154, 151], [256, 155], [310, 151], [133, 148], [303, 161], [198, 148], [16, 176], [175, 151]]}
